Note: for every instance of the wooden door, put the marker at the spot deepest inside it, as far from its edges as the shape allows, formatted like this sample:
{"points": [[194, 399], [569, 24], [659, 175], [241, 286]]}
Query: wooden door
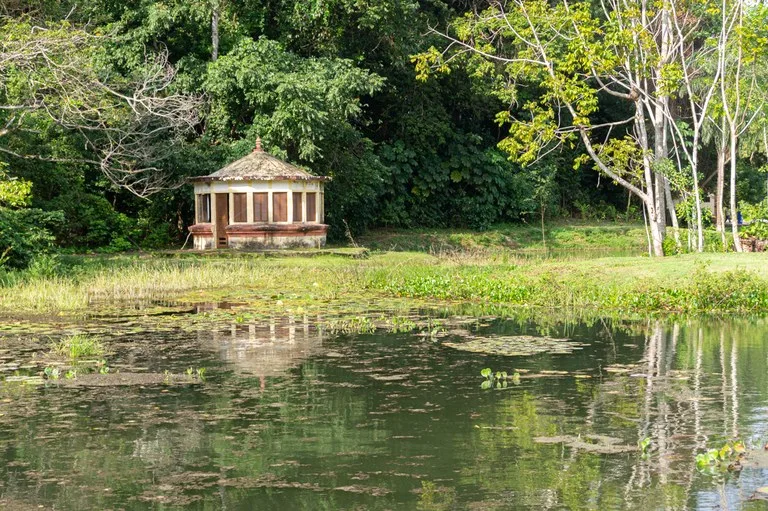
{"points": [[222, 219]]}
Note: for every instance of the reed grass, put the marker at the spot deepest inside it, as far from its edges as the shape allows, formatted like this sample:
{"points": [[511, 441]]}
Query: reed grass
{"points": [[78, 346], [690, 284]]}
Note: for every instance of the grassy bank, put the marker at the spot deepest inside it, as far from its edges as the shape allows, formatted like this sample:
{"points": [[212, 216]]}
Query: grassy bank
{"points": [[570, 236], [703, 283]]}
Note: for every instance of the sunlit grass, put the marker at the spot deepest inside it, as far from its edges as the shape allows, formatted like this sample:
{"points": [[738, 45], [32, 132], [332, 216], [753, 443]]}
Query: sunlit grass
{"points": [[690, 283], [78, 346]]}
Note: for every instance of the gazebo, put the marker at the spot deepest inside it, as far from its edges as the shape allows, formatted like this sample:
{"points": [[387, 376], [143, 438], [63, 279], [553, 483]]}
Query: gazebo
{"points": [[259, 202]]}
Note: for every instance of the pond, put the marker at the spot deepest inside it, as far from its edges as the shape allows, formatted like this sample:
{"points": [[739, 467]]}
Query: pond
{"points": [[303, 412]]}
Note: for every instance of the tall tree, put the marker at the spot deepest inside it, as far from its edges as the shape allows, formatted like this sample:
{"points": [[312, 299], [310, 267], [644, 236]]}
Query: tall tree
{"points": [[573, 56], [54, 77]]}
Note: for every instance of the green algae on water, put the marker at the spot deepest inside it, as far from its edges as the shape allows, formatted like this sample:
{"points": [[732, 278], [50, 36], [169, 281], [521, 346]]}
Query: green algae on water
{"points": [[516, 345]]}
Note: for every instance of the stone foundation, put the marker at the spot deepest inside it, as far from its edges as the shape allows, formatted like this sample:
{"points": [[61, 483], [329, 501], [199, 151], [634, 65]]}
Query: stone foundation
{"points": [[275, 242], [202, 236], [203, 242], [262, 236], [271, 236]]}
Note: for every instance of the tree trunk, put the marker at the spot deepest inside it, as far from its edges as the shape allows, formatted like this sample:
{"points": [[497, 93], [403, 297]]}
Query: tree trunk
{"points": [[719, 191], [656, 218], [657, 238], [215, 30], [672, 213], [660, 202], [660, 148], [697, 200], [734, 209]]}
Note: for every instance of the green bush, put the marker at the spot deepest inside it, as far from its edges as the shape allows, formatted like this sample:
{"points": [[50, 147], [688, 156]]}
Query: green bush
{"points": [[91, 221], [25, 234], [44, 266], [757, 217]]}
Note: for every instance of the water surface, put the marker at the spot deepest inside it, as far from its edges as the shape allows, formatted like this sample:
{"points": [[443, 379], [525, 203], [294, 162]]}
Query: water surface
{"points": [[292, 416]]}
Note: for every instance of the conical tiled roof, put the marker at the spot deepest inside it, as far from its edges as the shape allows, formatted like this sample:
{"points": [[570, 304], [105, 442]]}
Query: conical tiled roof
{"points": [[260, 166]]}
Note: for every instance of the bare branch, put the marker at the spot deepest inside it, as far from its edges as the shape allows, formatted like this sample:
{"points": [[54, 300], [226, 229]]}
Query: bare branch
{"points": [[130, 124]]}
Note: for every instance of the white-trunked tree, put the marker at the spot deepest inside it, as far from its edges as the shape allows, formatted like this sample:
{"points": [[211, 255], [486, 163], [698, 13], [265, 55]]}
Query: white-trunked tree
{"points": [[553, 61]]}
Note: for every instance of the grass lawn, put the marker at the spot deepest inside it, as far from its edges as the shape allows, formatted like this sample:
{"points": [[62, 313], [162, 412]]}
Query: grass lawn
{"points": [[522, 237]]}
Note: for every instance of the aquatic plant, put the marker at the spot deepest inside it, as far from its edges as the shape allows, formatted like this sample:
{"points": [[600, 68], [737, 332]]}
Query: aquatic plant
{"points": [[193, 374], [399, 325], [52, 373], [353, 325], [78, 346], [726, 458], [500, 378], [515, 345], [644, 444], [434, 328]]}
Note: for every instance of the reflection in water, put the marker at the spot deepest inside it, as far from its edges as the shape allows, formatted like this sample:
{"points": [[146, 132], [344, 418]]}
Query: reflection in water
{"points": [[290, 419], [266, 348]]}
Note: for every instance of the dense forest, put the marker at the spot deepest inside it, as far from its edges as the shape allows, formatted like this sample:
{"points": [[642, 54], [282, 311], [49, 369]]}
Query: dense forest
{"points": [[106, 107]]}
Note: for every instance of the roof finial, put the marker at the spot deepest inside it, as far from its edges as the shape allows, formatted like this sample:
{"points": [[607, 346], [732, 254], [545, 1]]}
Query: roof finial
{"points": [[258, 148]]}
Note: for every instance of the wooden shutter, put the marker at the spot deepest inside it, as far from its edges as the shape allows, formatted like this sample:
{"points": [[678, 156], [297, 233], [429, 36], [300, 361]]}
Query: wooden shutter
{"points": [[280, 207], [240, 203], [297, 209], [260, 207], [311, 207]]}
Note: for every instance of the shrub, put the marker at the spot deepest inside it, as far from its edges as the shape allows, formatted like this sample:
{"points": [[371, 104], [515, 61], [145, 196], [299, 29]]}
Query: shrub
{"points": [[44, 266], [757, 216], [25, 234]]}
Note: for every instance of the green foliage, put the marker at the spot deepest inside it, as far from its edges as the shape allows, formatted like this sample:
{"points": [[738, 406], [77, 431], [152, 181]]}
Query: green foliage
{"points": [[52, 373], [294, 102], [457, 183], [78, 346], [338, 87], [14, 193], [644, 444], [24, 234], [756, 217], [499, 379], [686, 212], [194, 374], [91, 222], [44, 266], [353, 325], [703, 291], [725, 458]]}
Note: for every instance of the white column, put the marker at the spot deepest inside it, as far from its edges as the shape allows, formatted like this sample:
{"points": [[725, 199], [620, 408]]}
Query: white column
{"points": [[249, 206], [290, 205]]}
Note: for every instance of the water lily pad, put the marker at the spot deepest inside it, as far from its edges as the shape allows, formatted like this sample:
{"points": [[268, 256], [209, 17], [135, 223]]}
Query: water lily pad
{"points": [[128, 379], [517, 345], [599, 444]]}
